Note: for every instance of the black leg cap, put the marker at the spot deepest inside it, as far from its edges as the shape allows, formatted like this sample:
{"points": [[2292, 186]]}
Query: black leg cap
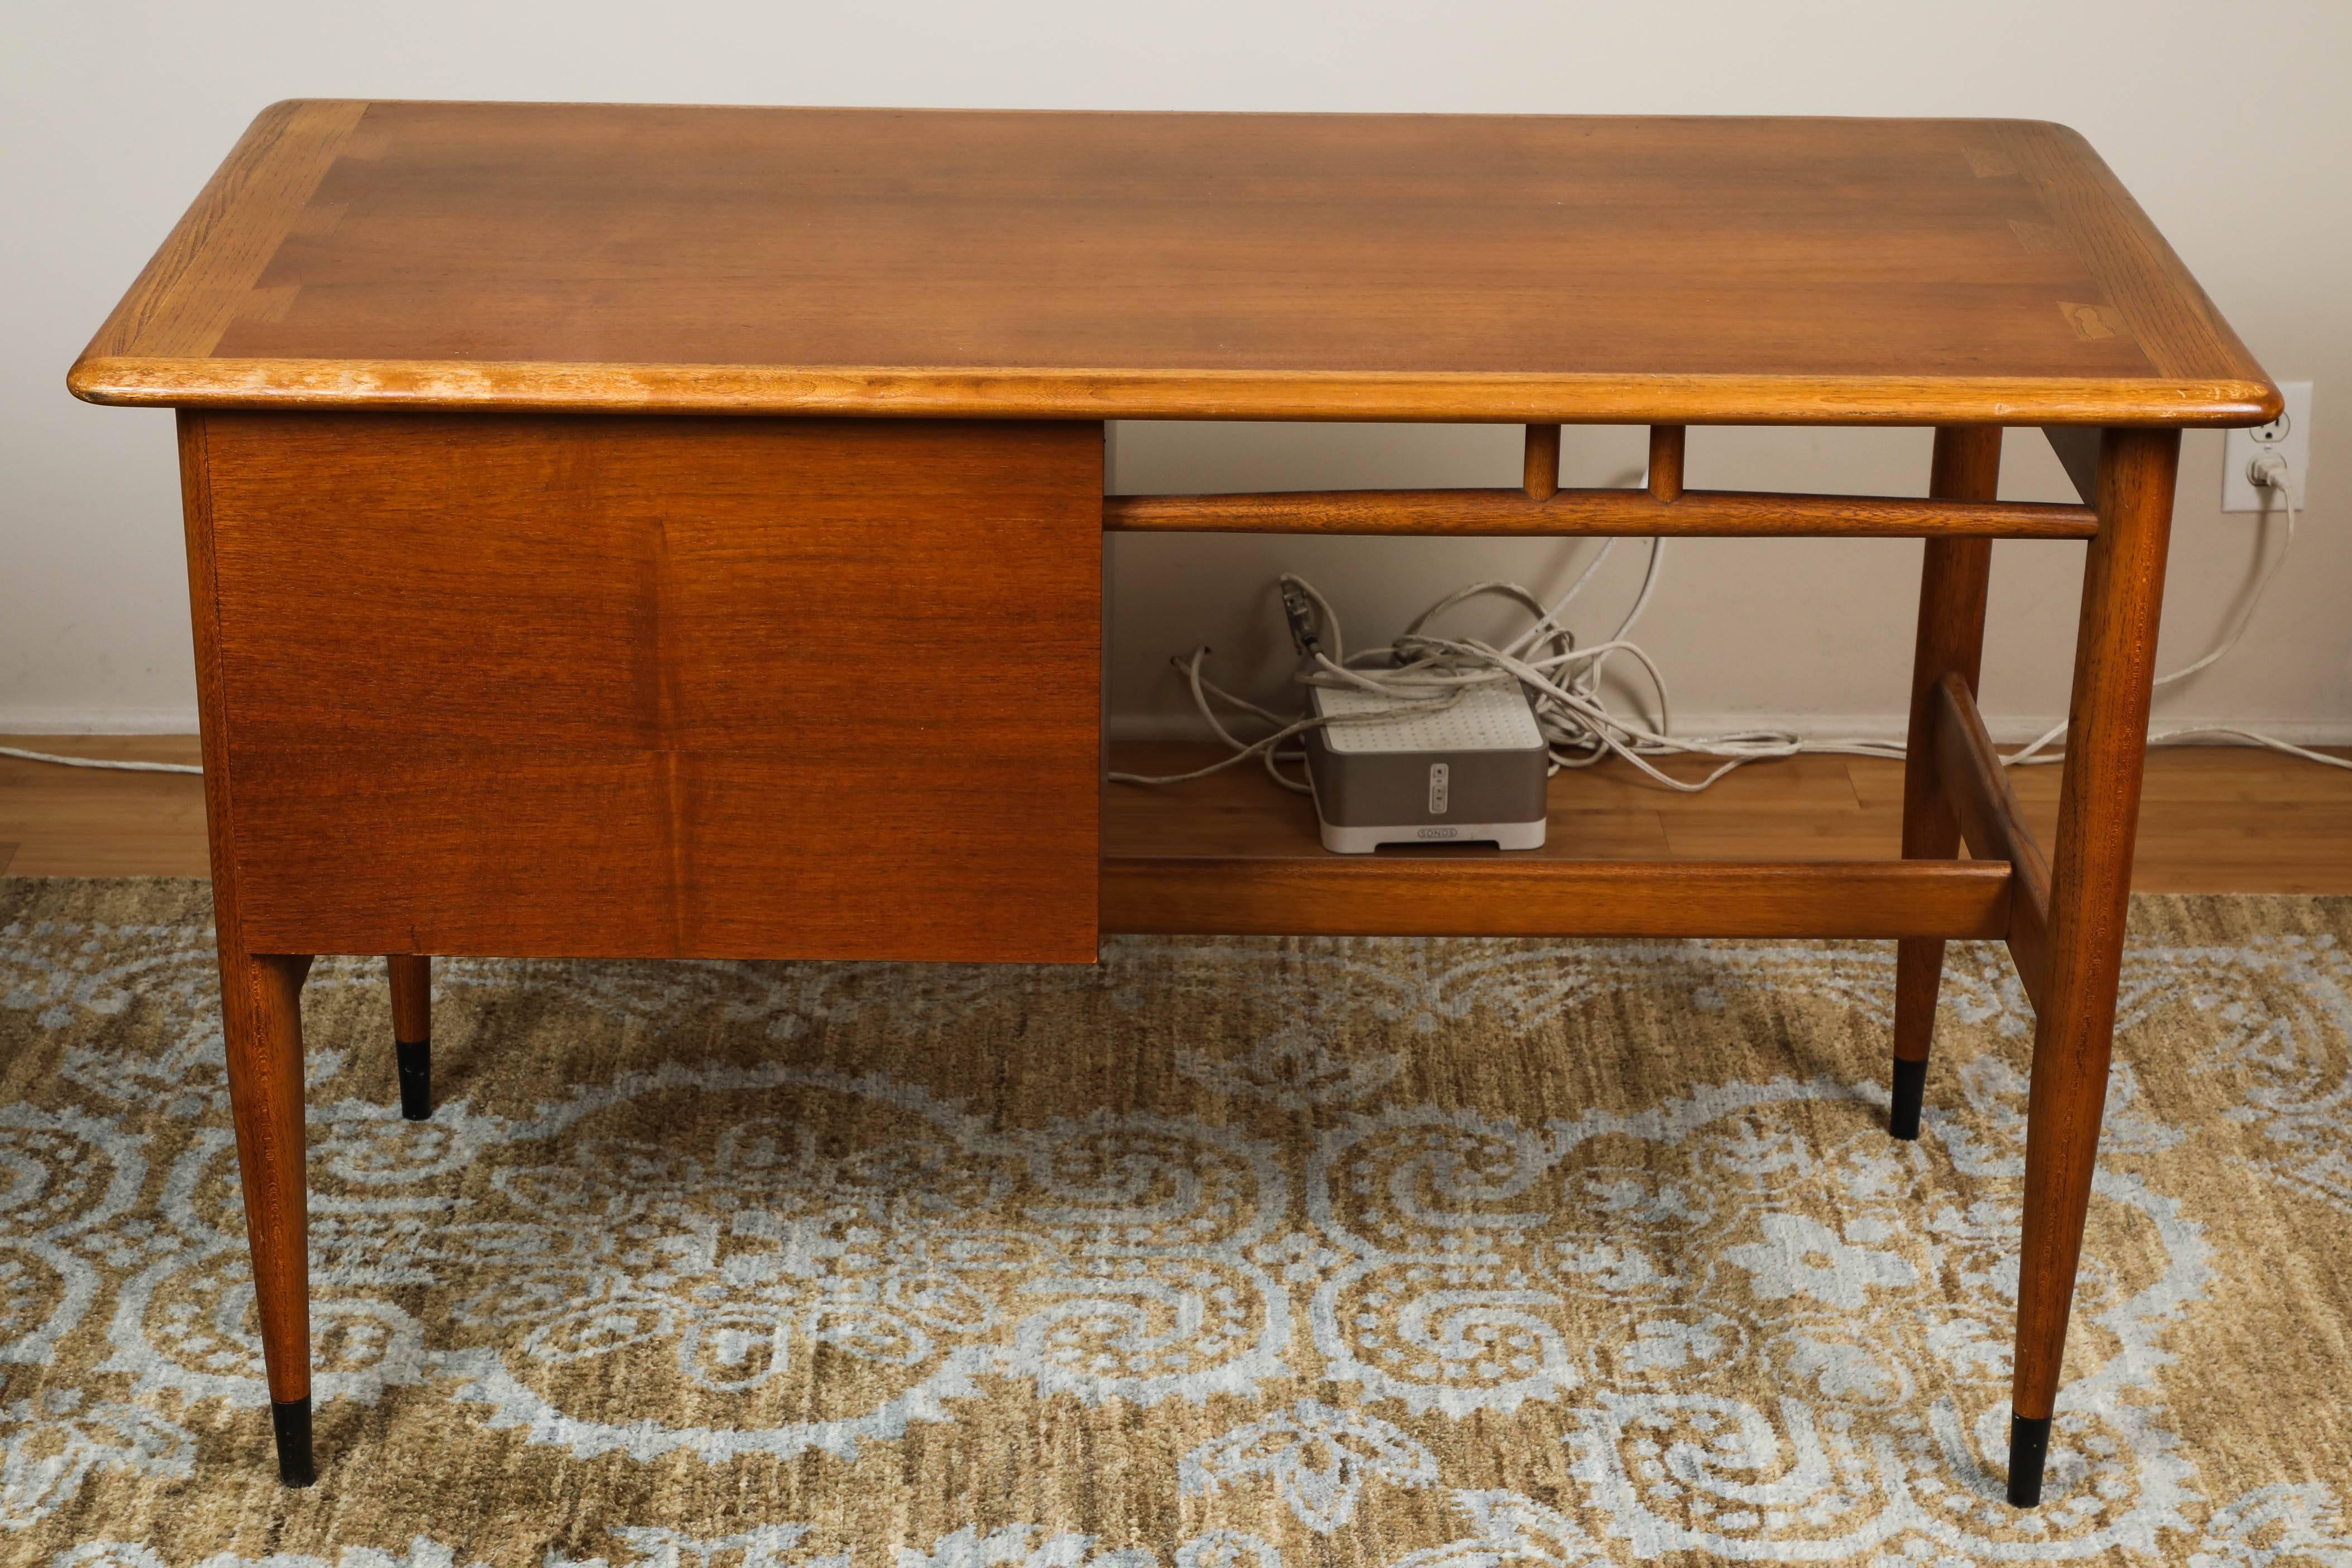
{"points": [[415, 1079], [291, 1420], [2029, 1448], [1910, 1091]]}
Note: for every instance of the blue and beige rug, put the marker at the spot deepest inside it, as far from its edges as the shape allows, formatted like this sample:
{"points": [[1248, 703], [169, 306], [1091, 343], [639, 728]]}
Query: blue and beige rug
{"points": [[1222, 1255]]}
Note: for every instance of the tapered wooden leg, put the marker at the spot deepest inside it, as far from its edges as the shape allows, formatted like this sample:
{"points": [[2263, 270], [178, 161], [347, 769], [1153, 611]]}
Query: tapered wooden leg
{"points": [[2090, 892], [261, 1020], [1952, 583], [261, 1009], [411, 1032]]}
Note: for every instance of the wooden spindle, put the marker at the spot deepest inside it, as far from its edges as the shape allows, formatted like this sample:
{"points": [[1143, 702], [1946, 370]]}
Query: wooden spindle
{"points": [[1543, 461], [1666, 462]]}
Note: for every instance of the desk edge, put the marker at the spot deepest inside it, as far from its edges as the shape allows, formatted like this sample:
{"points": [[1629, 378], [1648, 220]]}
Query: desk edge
{"points": [[1057, 393]]}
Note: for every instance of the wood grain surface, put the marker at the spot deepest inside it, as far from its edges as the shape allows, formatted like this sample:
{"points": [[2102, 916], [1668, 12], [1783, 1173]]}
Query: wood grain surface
{"points": [[1954, 575], [1618, 512], [2090, 887], [1410, 895], [1526, 268], [1542, 463], [83, 822], [660, 687], [1978, 791], [410, 976], [261, 1020], [1669, 444]]}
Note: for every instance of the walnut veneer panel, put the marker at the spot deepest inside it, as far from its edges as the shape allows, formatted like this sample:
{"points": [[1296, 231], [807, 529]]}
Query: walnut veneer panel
{"points": [[546, 685]]}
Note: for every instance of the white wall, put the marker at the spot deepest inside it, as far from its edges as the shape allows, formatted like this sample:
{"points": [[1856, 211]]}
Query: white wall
{"points": [[112, 116]]}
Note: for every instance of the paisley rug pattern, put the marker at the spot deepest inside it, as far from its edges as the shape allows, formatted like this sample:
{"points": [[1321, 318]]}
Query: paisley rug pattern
{"points": [[1218, 1255]]}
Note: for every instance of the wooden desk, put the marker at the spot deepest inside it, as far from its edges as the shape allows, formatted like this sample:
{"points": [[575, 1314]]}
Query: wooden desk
{"points": [[581, 502]]}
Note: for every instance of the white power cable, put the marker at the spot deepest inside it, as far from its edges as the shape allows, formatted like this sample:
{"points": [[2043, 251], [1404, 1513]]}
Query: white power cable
{"points": [[2269, 472], [1421, 671], [112, 764]]}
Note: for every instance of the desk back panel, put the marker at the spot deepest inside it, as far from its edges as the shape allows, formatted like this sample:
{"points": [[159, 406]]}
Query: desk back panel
{"points": [[653, 686]]}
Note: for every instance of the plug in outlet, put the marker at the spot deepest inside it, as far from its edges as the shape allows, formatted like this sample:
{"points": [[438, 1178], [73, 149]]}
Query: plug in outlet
{"points": [[2288, 436]]}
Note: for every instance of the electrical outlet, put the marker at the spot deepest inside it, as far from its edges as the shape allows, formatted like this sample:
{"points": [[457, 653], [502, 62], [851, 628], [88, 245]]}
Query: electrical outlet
{"points": [[2288, 436]]}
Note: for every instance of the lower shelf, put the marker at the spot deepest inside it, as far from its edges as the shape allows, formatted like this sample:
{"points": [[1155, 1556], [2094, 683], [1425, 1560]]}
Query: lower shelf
{"points": [[1375, 895], [1232, 855]]}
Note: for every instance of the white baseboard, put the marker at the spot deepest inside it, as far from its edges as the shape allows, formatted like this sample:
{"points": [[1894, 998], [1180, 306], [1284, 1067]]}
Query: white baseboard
{"points": [[1187, 727], [16, 720], [1145, 727]]}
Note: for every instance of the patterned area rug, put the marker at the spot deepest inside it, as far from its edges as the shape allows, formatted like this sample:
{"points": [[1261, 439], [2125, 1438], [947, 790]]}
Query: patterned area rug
{"points": [[1220, 1254]]}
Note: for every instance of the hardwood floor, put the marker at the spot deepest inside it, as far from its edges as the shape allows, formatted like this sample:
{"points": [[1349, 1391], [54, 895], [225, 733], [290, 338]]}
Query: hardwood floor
{"points": [[2213, 819], [81, 822]]}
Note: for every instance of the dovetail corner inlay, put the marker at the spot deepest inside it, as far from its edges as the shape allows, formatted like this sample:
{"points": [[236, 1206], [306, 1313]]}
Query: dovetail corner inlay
{"points": [[2093, 322], [318, 220], [2037, 237], [269, 304]]}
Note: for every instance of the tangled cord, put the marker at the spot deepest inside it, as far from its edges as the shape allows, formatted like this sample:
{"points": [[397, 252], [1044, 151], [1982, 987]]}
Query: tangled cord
{"points": [[1423, 672]]}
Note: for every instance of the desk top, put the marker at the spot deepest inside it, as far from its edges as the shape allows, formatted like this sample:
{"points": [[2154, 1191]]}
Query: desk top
{"points": [[947, 263]]}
